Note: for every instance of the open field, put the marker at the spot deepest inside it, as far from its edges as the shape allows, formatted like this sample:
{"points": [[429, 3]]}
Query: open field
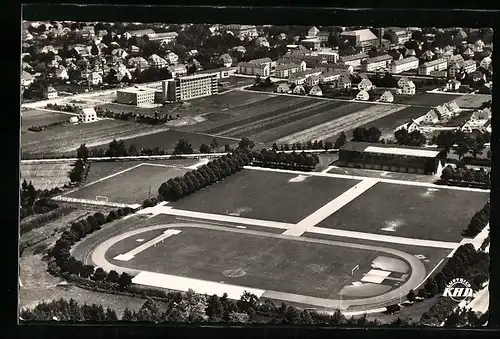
{"points": [[35, 117], [266, 195], [130, 187], [427, 99], [382, 174], [472, 100], [307, 268], [409, 211], [67, 138], [168, 139], [46, 176], [234, 82]]}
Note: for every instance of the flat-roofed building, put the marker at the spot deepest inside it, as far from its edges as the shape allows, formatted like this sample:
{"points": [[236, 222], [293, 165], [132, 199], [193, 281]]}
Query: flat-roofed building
{"points": [[330, 55], [389, 157], [135, 96], [189, 87], [312, 44], [354, 60], [376, 63]]}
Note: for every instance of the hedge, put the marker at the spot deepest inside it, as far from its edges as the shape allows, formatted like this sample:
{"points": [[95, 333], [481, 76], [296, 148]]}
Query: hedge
{"points": [[42, 219]]}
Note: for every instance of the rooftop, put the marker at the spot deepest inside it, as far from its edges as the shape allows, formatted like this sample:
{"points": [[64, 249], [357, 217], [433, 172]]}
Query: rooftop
{"points": [[405, 60], [354, 57], [390, 149], [434, 62], [379, 58], [136, 90], [364, 34]]}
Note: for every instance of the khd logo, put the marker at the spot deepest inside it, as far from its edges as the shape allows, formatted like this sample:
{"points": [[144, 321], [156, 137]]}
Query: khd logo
{"points": [[458, 289]]}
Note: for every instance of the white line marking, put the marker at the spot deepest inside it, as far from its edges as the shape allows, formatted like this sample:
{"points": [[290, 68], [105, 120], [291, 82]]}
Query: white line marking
{"points": [[430, 273], [162, 165], [327, 169], [240, 226], [131, 254], [383, 238], [330, 208]]}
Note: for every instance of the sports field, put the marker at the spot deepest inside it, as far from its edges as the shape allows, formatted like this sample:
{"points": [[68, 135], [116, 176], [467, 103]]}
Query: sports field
{"points": [[132, 186], [266, 195], [409, 211]]}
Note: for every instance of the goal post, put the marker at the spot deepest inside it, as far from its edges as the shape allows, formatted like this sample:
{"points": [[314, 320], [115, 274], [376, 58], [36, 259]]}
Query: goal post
{"points": [[101, 198], [355, 268]]}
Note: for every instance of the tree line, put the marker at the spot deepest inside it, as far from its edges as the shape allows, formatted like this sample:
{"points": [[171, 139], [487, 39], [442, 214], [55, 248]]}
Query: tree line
{"points": [[156, 119], [81, 167], [462, 176], [34, 201], [461, 143], [478, 222], [295, 161]]}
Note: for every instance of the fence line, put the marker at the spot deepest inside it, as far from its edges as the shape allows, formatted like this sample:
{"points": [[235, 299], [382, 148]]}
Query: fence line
{"points": [[95, 202]]}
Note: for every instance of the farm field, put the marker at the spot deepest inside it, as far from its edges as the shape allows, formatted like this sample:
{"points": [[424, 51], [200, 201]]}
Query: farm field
{"points": [[36, 117], [254, 194], [472, 101], [409, 211], [269, 263], [167, 140], [428, 99], [66, 139], [46, 176], [140, 183]]}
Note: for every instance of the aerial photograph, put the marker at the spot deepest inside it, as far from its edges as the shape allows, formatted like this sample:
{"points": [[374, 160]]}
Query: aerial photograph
{"points": [[254, 174]]}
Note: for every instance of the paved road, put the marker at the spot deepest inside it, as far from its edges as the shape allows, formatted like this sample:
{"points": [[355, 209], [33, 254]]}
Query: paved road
{"points": [[417, 268]]}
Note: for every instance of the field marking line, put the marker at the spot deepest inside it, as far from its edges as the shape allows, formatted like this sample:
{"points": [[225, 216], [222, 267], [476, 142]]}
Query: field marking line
{"points": [[102, 179], [430, 273], [329, 168], [163, 165], [330, 208], [131, 254], [357, 177], [383, 238], [225, 218], [208, 222]]}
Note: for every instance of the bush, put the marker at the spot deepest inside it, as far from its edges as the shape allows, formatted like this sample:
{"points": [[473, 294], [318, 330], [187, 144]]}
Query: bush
{"points": [[113, 215], [100, 218], [42, 219]]}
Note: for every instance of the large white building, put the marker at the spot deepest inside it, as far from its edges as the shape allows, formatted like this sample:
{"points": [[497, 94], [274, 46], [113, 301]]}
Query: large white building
{"points": [[376, 63], [262, 70], [404, 65], [135, 96], [189, 87], [87, 115], [432, 66]]}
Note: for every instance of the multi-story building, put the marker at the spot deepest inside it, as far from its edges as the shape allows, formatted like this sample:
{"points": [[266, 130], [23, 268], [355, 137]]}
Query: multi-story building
{"points": [[376, 63], [312, 44], [139, 33], [94, 79], [165, 38], [262, 61], [330, 55], [177, 70], [329, 76], [344, 82], [312, 80], [50, 93], [156, 61], [189, 87], [285, 70], [365, 85], [404, 65], [87, 115], [354, 60], [406, 87], [262, 70], [456, 59], [242, 31], [171, 58], [135, 96], [469, 66], [398, 36], [299, 78], [434, 65], [453, 85], [363, 39]]}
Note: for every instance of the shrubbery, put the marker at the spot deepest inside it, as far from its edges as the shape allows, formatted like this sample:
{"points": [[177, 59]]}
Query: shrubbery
{"points": [[478, 222], [140, 118], [42, 127], [42, 219], [465, 177], [294, 161]]}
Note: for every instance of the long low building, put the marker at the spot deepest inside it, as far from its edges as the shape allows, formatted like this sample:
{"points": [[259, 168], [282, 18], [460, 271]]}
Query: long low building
{"points": [[389, 157], [135, 96]]}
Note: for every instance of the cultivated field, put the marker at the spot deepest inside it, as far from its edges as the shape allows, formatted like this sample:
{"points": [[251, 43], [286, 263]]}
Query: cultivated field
{"points": [[132, 186], [428, 99], [168, 139], [46, 176], [266, 195], [472, 100], [409, 211], [35, 117], [66, 139]]}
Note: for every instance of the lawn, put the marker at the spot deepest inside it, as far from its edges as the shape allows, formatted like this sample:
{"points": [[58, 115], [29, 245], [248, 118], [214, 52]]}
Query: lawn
{"points": [[130, 187], [168, 139], [269, 263], [472, 101], [411, 211], [35, 117], [427, 99], [46, 176], [66, 139], [266, 195]]}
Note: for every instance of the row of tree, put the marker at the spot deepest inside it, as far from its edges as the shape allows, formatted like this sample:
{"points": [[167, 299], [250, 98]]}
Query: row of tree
{"points": [[466, 176], [478, 222], [34, 201], [81, 167], [461, 143], [300, 161], [413, 138], [156, 119]]}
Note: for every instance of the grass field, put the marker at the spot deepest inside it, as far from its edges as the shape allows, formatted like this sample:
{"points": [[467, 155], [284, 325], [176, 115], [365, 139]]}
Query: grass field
{"points": [[428, 99], [67, 138], [234, 82], [168, 139], [35, 117], [266, 195], [131, 187], [306, 268], [472, 100], [414, 212], [46, 176]]}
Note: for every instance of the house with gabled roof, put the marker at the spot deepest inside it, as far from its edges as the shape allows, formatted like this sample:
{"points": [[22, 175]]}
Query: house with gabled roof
{"points": [[312, 80], [363, 39], [431, 117], [285, 70], [119, 52], [427, 55], [344, 82], [410, 126], [329, 76], [26, 79], [486, 62], [284, 88], [444, 112], [365, 84], [157, 62], [61, 73], [177, 70], [362, 95], [50, 93], [299, 89], [387, 97], [138, 63], [313, 31], [316, 91], [453, 85], [483, 114]]}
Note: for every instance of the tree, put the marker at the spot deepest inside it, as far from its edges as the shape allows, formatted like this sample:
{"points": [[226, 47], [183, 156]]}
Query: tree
{"points": [[100, 218], [127, 315], [411, 296], [461, 149], [112, 277], [446, 140], [238, 317], [447, 174], [124, 280], [77, 172], [476, 147], [258, 81], [87, 271], [183, 147], [227, 148], [82, 152], [99, 275], [204, 149], [431, 286], [374, 135], [246, 143], [421, 293]]}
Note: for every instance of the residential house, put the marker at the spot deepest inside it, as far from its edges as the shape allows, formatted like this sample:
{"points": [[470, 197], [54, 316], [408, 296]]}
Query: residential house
{"points": [[444, 112], [48, 48], [431, 117], [330, 55], [398, 36], [26, 79], [387, 97], [428, 55], [363, 39], [298, 78], [439, 74], [453, 85], [395, 54], [61, 73], [80, 50], [486, 128], [242, 31], [299, 89], [344, 82], [478, 76], [134, 49], [483, 114], [177, 70], [316, 91], [239, 49], [285, 70], [430, 66], [311, 60], [312, 80], [354, 60], [365, 85], [410, 52], [87, 115], [88, 32], [284, 88], [340, 67], [406, 87], [157, 62], [376, 63], [478, 46], [50, 93], [138, 63], [262, 61], [312, 44], [94, 79], [282, 36], [452, 107], [410, 126], [226, 60], [456, 59], [313, 31], [485, 63], [164, 38], [404, 65], [120, 53], [172, 58], [454, 70], [329, 76], [362, 95], [261, 42], [478, 125], [249, 68], [323, 36], [468, 53], [139, 33]]}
